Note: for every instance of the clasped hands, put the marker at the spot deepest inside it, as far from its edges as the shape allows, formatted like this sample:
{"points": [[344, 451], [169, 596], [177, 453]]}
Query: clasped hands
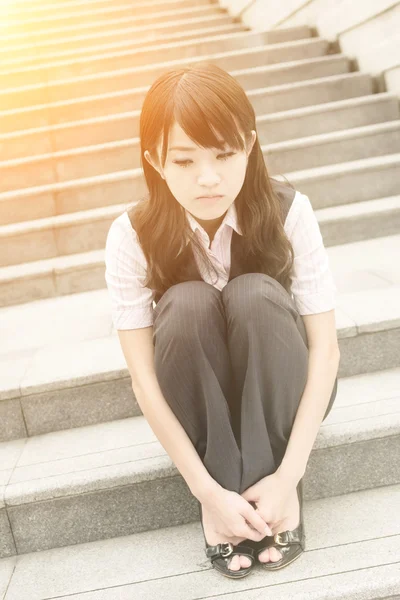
{"points": [[271, 495], [232, 517]]}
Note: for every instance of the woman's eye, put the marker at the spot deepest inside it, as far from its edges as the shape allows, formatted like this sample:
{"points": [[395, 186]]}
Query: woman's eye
{"points": [[185, 163]]}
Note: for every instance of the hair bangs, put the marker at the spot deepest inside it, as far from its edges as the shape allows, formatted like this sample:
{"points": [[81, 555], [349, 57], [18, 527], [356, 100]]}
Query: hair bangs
{"points": [[202, 114]]}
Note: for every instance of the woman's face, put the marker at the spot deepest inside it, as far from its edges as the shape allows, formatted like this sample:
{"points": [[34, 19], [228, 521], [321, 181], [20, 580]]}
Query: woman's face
{"points": [[195, 171]]}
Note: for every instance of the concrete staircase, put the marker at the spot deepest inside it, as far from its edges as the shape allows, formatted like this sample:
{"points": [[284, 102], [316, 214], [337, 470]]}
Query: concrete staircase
{"points": [[87, 491]]}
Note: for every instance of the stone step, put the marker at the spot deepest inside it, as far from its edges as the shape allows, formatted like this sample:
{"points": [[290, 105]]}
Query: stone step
{"points": [[55, 483], [359, 221], [334, 147], [319, 118], [37, 8], [54, 18], [337, 116], [87, 230], [66, 367], [354, 181], [293, 155], [127, 102], [116, 36], [62, 375], [187, 9], [242, 49], [119, 39], [107, 83], [340, 560]]}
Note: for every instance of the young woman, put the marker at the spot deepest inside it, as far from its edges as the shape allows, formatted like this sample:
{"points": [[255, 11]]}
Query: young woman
{"points": [[236, 365]]}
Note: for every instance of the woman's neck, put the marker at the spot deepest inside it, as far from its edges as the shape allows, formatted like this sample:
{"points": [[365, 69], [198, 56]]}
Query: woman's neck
{"points": [[211, 226]]}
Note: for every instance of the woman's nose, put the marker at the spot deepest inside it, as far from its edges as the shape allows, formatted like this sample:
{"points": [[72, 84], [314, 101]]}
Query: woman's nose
{"points": [[209, 177]]}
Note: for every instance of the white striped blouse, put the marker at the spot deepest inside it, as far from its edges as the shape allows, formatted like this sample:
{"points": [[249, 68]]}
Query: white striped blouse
{"points": [[313, 288]]}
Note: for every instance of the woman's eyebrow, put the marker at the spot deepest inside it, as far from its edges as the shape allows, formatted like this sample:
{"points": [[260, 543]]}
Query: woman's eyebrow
{"points": [[185, 148]]}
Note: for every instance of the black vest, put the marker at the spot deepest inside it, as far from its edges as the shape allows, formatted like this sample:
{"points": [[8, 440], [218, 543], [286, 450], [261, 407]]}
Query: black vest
{"points": [[286, 196]]}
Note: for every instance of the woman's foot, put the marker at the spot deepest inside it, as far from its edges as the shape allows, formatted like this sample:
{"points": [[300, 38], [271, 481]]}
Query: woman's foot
{"points": [[272, 554], [236, 562]]}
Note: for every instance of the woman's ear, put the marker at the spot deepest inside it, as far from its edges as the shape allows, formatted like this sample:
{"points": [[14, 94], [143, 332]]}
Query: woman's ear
{"points": [[251, 144], [153, 163]]}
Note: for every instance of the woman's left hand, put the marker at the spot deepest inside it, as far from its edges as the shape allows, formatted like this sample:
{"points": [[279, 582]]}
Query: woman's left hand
{"points": [[272, 496]]}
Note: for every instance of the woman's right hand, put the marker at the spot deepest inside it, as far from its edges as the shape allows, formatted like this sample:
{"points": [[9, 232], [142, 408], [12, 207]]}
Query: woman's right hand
{"points": [[234, 517]]}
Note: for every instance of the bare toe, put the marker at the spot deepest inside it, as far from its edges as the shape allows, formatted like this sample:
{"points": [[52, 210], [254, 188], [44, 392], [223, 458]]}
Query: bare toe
{"points": [[234, 564], [245, 562], [239, 562], [264, 556], [274, 554]]}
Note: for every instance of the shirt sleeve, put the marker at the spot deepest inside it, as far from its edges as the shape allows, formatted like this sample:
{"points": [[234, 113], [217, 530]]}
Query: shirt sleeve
{"points": [[131, 302], [313, 287]]}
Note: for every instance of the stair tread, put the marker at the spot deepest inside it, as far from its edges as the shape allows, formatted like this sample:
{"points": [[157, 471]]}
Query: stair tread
{"points": [[81, 344], [88, 11], [374, 249], [103, 48], [127, 91], [41, 17], [168, 14], [126, 451], [352, 75], [35, 7], [109, 38], [364, 256], [104, 37], [293, 144], [333, 213], [313, 172], [166, 45], [350, 210], [348, 555]]}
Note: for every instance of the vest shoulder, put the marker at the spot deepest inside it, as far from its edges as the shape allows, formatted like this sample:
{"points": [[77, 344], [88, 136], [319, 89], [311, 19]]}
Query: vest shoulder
{"points": [[283, 189], [286, 194]]}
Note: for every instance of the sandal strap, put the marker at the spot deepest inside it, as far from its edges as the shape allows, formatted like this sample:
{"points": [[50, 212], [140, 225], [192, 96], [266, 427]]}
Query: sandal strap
{"points": [[285, 538], [244, 550], [219, 550], [226, 549]]}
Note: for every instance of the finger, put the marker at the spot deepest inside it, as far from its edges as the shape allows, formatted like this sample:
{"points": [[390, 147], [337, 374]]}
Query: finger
{"points": [[277, 526], [257, 522], [253, 534], [235, 540]]}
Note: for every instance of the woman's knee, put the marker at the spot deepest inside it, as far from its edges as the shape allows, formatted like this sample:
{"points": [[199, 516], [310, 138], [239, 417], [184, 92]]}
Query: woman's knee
{"points": [[250, 289], [189, 302], [193, 294]]}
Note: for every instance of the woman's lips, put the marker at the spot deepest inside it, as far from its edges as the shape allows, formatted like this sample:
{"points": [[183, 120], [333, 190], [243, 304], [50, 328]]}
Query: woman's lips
{"points": [[210, 199]]}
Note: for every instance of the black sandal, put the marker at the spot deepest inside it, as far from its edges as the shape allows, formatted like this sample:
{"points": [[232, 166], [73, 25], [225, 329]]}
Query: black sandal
{"points": [[222, 553], [290, 543]]}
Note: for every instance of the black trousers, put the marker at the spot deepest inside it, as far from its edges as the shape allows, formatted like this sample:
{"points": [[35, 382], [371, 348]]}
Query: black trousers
{"points": [[233, 366]]}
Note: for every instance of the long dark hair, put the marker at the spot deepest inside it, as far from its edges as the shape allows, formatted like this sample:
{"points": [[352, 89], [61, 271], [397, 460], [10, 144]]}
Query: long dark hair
{"points": [[199, 98]]}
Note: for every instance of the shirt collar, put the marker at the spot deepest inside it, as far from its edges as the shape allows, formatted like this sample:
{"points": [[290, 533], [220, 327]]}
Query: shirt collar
{"points": [[229, 219]]}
